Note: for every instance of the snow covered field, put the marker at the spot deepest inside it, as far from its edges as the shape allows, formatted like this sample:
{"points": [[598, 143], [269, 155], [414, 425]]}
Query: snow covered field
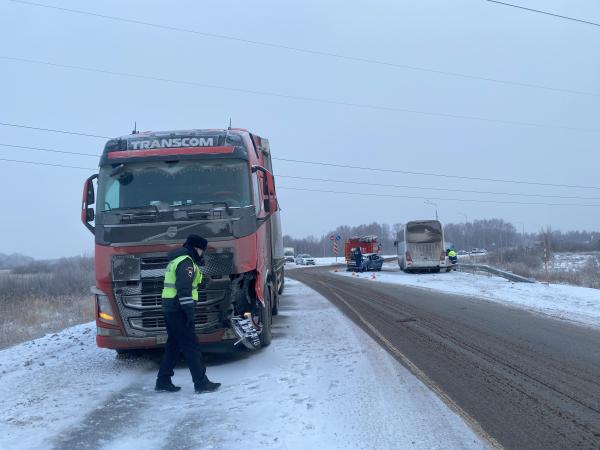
{"points": [[574, 303], [569, 261], [323, 383]]}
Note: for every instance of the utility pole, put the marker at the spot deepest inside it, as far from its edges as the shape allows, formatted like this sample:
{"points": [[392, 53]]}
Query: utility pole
{"points": [[465, 228], [522, 233], [429, 202]]}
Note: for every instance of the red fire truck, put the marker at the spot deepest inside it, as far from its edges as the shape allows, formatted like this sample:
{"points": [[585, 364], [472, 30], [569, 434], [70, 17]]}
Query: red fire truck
{"points": [[156, 188], [367, 244]]}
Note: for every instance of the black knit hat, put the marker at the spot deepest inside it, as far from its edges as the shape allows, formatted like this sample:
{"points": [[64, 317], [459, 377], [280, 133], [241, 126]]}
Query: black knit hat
{"points": [[195, 241]]}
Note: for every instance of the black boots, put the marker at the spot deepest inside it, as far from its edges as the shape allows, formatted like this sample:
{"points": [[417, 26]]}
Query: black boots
{"points": [[165, 385], [206, 386]]}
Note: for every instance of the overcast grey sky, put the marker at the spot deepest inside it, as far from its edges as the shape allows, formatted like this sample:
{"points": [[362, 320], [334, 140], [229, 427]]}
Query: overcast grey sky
{"points": [[40, 205]]}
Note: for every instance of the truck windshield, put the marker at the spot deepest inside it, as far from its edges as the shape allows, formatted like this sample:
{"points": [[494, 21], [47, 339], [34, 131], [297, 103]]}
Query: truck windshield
{"points": [[174, 183]]}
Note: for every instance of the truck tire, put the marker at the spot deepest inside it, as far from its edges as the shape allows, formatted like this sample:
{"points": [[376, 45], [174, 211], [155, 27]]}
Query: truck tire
{"points": [[265, 318], [275, 307], [282, 282]]}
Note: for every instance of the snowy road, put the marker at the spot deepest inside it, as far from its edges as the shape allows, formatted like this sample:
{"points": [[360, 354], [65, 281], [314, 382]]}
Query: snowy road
{"points": [[574, 303], [530, 381], [323, 383]]}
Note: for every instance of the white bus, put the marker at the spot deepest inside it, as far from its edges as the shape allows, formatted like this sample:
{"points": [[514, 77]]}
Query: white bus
{"points": [[420, 246]]}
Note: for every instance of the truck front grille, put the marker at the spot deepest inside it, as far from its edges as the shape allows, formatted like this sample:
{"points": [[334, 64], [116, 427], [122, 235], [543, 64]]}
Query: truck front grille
{"points": [[140, 301]]}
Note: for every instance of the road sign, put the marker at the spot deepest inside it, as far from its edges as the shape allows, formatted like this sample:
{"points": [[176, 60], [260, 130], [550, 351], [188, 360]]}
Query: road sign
{"points": [[332, 237], [338, 238]]}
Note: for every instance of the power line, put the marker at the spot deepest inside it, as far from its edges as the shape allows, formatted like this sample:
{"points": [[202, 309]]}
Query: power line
{"points": [[300, 98], [347, 166], [42, 149], [439, 198], [37, 163], [330, 180], [431, 174], [352, 193], [469, 191], [309, 51], [51, 130], [544, 12]]}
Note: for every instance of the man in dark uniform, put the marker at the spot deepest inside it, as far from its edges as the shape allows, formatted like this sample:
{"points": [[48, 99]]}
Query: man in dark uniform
{"points": [[179, 295], [358, 258]]}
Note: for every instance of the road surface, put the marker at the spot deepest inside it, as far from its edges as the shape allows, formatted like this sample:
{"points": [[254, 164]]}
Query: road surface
{"points": [[528, 380]]}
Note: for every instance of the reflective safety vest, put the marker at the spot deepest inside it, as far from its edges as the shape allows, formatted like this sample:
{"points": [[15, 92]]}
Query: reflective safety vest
{"points": [[451, 253], [169, 288]]}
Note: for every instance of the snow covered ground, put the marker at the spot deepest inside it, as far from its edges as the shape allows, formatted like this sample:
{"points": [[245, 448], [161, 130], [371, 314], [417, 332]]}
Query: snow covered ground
{"points": [[323, 383], [574, 303], [325, 261], [571, 261]]}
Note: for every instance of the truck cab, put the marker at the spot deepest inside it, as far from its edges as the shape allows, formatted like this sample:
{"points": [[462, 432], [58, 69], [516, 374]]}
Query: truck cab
{"points": [[156, 188]]}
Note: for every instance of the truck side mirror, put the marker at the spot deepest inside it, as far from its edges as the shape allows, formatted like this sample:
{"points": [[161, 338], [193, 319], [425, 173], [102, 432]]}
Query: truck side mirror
{"points": [[269, 195], [89, 198], [273, 206]]}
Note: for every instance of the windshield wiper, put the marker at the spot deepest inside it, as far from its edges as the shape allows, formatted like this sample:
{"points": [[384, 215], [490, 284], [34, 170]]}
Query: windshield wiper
{"points": [[146, 208], [193, 205], [135, 213]]}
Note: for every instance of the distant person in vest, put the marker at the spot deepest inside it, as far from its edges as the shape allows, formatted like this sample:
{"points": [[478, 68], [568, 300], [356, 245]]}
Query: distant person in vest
{"points": [[179, 295], [452, 256]]}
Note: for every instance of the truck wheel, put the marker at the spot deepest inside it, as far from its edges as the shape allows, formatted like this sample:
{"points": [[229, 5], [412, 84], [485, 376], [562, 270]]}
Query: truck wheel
{"points": [[275, 307], [282, 283], [265, 318]]}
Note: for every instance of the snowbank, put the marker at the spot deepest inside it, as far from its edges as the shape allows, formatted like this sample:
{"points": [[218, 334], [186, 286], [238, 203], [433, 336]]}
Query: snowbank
{"points": [[574, 303], [323, 383]]}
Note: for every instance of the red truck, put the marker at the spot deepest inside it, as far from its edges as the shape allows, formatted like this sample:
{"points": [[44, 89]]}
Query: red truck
{"points": [[367, 244], [156, 188]]}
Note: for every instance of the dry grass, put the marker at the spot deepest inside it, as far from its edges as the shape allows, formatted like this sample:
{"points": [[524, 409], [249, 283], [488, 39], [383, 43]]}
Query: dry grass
{"points": [[28, 318], [44, 297], [531, 265]]}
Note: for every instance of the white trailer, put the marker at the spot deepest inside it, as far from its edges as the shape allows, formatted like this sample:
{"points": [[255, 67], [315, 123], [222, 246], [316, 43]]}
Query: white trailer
{"points": [[289, 254]]}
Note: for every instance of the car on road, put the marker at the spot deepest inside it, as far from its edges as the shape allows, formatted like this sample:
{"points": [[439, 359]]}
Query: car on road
{"points": [[374, 262], [305, 260], [478, 251], [288, 254], [369, 261]]}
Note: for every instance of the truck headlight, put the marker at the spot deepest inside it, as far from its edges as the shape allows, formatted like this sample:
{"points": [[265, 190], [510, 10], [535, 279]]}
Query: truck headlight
{"points": [[125, 268], [105, 312]]}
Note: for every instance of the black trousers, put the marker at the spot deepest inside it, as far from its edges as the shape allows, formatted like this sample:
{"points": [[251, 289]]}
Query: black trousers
{"points": [[181, 339]]}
